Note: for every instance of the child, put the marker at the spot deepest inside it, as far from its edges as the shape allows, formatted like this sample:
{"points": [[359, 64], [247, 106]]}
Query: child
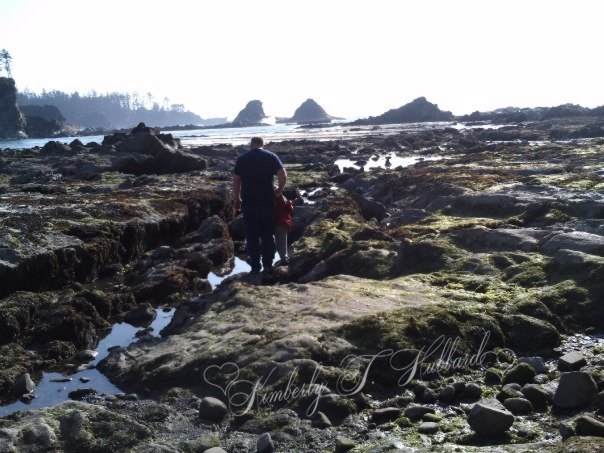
{"points": [[284, 211]]}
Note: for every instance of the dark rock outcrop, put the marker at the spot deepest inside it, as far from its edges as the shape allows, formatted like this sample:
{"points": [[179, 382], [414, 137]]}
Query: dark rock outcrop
{"points": [[251, 115], [418, 110], [145, 151], [310, 112], [12, 121]]}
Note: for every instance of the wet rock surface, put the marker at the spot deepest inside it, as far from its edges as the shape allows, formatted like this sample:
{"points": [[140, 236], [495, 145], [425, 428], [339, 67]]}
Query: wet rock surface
{"points": [[483, 268]]}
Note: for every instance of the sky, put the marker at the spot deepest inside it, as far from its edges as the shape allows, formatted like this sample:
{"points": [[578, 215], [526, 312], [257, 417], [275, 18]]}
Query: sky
{"points": [[355, 58]]}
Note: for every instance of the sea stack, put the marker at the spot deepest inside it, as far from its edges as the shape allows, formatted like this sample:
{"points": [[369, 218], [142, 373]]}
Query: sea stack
{"points": [[310, 112], [12, 122], [251, 115]]}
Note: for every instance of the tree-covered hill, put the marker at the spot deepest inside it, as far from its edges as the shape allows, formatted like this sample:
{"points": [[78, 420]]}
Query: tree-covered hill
{"points": [[113, 110]]}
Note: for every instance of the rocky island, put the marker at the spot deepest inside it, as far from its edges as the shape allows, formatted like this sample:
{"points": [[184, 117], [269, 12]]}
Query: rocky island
{"points": [[445, 293]]}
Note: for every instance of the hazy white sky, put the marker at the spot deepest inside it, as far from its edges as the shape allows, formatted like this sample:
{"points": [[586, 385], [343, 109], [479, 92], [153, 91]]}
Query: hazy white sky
{"points": [[354, 58]]}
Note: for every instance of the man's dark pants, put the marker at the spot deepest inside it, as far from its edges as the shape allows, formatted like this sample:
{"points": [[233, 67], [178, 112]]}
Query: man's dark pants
{"points": [[259, 224]]}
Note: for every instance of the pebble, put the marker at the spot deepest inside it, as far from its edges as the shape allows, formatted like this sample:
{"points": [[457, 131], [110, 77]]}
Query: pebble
{"points": [[518, 406], [385, 414], [86, 355], [537, 395], [344, 444], [81, 393], [473, 391], [447, 394], [84, 379], [492, 377], [572, 361], [212, 409], [320, 420], [417, 412], [264, 444], [537, 363], [427, 428], [521, 374]]}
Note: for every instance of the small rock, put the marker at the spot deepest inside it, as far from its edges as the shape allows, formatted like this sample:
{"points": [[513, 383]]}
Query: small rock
{"points": [[429, 396], [447, 394], [488, 420], [460, 387], [86, 355], [264, 444], [81, 393], [214, 450], [431, 417], [212, 409], [344, 444], [23, 384], [473, 391], [84, 379], [131, 397], [572, 361], [385, 414], [419, 390], [537, 395], [566, 431], [417, 412], [492, 377], [320, 420], [141, 315], [575, 389], [61, 379], [518, 406], [521, 373], [537, 363], [427, 428], [587, 426], [190, 412], [508, 392]]}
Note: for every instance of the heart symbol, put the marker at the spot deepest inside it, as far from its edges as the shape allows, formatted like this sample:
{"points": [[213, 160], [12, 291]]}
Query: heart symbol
{"points": [[227, 368]]}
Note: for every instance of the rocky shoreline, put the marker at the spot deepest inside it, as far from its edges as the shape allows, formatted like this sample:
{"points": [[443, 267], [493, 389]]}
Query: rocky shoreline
{"points": [[490, 259]]}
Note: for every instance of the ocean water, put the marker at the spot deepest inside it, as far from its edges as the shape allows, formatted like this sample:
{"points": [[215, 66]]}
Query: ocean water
{"points": [[274, 133]]}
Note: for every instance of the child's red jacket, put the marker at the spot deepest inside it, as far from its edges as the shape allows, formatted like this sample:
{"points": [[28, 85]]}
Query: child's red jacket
{"points": [[285, 209]]}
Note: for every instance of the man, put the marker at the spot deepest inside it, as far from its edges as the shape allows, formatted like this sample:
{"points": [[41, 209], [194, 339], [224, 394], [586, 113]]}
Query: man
{"points": [[254, 192]]}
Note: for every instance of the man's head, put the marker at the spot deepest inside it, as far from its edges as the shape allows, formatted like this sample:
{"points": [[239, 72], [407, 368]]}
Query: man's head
{"points": [[257, 143]]}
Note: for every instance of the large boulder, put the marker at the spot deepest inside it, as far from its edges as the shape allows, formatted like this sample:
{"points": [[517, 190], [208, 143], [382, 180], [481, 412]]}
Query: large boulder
{"points": [[12, 121], [576, 389], [144, 151]]}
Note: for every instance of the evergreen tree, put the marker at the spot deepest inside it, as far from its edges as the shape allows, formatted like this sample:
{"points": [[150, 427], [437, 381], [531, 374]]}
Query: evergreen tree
{"points": [[6, 59]]}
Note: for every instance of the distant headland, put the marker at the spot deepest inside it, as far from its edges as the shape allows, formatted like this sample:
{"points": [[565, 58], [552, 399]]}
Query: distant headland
{"points": [[56, 114]]}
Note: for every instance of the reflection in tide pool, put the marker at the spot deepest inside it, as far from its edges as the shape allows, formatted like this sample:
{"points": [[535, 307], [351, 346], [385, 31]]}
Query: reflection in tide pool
{"points": [[49, 393], [385, 161], [240, 266]]}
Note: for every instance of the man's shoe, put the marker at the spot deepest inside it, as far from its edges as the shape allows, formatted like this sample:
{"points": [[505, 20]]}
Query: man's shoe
{"points": [[268, 270]]}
